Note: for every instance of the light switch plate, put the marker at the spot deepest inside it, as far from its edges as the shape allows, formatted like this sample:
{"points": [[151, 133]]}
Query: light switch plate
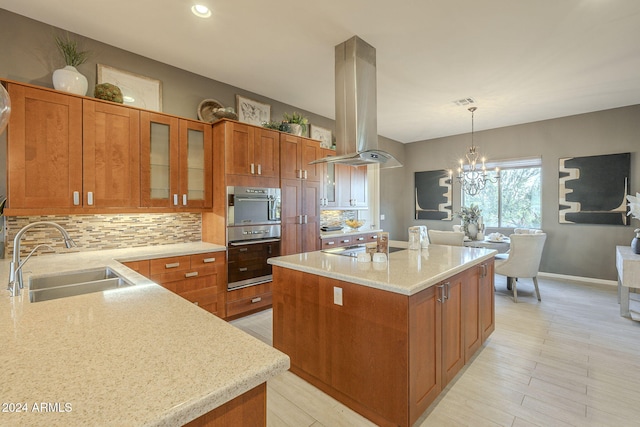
{"points": [[337, 295]]}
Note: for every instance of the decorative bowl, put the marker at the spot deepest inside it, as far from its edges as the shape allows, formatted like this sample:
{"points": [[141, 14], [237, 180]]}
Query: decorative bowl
{"points": [[354, 224]]}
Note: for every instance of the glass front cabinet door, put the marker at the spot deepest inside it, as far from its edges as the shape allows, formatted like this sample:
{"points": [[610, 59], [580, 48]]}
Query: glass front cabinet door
{"points": [[176, 163]]}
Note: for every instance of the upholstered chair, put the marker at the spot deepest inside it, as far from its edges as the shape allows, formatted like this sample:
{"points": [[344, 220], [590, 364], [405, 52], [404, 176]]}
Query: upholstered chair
{"points": [[450, 238], [522, 261]]}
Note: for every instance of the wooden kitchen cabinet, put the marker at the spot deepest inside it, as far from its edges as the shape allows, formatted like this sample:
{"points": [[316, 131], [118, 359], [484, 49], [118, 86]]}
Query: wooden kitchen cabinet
{"points": [[348, 240], [44, 149], [301, 194], [111, 155], [347, 352], [199, 278], [244, 301], [487, 300], [67, 154], [252, 154], [351, 183], [176, 162]]}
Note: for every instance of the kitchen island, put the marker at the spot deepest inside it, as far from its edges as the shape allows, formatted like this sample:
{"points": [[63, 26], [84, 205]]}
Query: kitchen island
{"points": [[138, 355], [383, 338]]}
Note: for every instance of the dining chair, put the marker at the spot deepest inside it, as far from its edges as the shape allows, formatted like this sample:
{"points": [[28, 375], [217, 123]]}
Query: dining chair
{"points": [[523, 260], [450, 238]]}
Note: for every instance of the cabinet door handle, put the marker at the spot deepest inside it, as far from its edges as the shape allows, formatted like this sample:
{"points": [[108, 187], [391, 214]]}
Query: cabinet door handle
{"points": [[259, 169], [345, 241], [207, 260], [360, 238], [253, 169], [90, 198], [191, 274], [305, 174], [172, 265], [76, 198], [175, 200], [306, 219], [447, 286], [441, 292], [184, 200], [256, 300], [243, 269], [330, 243]]}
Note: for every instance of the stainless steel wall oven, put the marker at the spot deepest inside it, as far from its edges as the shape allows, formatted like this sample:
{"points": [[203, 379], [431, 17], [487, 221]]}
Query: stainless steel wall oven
{"points": [[253, 234]]}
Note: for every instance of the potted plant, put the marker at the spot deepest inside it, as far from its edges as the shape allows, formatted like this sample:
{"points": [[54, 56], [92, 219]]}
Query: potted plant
{"points": [[471, 217], [297, 123], [68, 79]]}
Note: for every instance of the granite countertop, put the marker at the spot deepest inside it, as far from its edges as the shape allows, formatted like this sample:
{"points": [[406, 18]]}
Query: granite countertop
{"points": [[406, 272], [139, 355]]}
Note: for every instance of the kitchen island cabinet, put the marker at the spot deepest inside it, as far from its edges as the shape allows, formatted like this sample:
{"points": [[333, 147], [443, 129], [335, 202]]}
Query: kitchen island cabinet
{"points": [[383, 339], [133, 356]]}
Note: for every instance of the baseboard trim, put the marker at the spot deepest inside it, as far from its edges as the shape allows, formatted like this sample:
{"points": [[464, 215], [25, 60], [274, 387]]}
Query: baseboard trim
{"points": [[578, 279]]}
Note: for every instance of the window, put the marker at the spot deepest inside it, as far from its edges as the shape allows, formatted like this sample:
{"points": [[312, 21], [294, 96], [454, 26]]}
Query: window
{"points": [[513, 201]]}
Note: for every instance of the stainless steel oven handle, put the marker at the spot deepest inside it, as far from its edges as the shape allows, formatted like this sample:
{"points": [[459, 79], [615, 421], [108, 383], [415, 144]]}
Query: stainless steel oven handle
{"points": [[251, 199], [253, 242]]}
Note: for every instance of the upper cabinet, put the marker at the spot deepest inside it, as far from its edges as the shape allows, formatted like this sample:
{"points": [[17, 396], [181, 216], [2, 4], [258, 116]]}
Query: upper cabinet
{"points": [[252, 154], [351, 186], [176, 162], [68, 154], [295, 155]]}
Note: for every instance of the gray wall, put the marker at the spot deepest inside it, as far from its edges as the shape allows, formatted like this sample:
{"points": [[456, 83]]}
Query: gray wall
{"points": [[571, 249], [29, 55]]}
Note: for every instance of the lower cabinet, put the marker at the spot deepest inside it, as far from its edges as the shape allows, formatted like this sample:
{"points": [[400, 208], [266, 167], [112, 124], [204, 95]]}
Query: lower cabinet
{"points": [[199, 278], [348, 240], [243, 301], [389, 363], [248, 409]]}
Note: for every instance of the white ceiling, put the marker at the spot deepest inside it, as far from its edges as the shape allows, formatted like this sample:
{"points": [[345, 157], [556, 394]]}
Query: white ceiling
{"points": [[521, 60]]}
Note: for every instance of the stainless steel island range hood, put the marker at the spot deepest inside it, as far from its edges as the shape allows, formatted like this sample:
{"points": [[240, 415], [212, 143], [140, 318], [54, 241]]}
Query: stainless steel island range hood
{"points": [[356, 104]]}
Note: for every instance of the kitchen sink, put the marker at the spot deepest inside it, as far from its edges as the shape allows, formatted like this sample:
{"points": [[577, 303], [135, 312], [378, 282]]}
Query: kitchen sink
{"points": [[44, 288]]}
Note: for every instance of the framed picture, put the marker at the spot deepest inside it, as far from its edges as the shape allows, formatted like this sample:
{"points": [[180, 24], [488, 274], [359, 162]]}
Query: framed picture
{"points": [[433, 193], [138, 91], [593, 189], [252, 112], [321, 134]]}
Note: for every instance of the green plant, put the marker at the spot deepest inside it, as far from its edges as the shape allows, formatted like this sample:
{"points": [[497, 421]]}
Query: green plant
{"points": [[298, 119], [69, 50], [272, 125], [469, 215]]}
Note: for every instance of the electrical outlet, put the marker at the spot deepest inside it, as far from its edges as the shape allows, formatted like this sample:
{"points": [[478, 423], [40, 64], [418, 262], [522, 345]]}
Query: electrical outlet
{"points": [[337, 295], [381, 217]]}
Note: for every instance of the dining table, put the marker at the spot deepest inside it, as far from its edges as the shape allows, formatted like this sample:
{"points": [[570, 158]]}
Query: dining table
{"points": [[500, 245]]}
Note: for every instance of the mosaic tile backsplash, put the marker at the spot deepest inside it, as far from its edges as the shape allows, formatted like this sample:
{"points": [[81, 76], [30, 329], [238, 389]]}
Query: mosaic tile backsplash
{"points": [[98, 232]]}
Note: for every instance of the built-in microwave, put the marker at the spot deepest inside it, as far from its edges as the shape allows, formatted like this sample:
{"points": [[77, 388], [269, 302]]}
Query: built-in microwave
{"points": [[253, 206]]}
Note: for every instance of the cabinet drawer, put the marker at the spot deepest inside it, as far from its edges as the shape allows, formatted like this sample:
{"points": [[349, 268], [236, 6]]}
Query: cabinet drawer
{"points": [[179, 275], [163, 265], [243, 270], [248, 304], [206, 298], [259, 250], [248, 292], [207, 259]]}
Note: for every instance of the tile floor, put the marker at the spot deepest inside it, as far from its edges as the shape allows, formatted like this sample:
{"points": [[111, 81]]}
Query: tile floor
{"points": [[569, 360]]}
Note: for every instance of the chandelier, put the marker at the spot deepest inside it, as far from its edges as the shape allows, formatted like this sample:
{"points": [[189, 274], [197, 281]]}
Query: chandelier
{"points": [[472, 175]]}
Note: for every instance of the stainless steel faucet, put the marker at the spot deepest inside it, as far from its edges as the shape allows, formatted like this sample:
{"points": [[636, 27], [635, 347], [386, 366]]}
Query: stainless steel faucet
{"points": [[15, 275]]}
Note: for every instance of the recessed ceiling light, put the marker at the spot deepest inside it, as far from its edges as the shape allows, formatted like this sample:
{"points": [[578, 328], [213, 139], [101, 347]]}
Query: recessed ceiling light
{"points": [[201, 11]]}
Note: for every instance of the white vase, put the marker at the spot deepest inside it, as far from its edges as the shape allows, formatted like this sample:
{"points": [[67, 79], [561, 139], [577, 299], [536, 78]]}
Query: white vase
{"points": [[296, 129], [68, 79], [473, 230]]}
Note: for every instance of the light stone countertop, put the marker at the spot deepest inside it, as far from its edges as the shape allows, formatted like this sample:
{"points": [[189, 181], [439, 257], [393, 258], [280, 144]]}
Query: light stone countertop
{"points": [[406, 272], [135, 356], [346, 231]]}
